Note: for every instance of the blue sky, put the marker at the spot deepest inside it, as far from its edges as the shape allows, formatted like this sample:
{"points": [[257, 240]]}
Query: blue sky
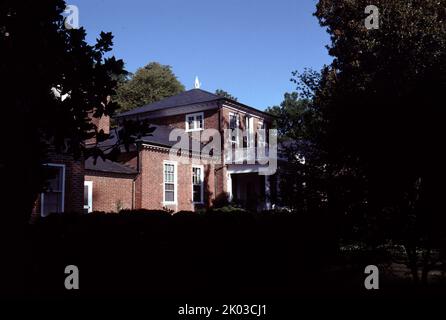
{"points": [[248, 48]]}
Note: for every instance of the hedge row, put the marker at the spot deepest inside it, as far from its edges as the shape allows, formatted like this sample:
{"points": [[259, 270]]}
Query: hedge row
{"points": [[156, 253]]}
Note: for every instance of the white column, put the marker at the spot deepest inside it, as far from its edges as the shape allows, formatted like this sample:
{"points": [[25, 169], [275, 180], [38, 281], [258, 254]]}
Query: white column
{"points": [[229, 185]]}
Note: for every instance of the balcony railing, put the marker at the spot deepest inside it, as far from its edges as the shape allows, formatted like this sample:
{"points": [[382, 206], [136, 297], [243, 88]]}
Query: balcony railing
{"points": [[248, 155]]}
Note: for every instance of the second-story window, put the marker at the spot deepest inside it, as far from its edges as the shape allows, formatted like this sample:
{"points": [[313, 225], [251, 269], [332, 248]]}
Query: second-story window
{"points": [[261, 140], [234, 123], [249, 128], [195, 121]]}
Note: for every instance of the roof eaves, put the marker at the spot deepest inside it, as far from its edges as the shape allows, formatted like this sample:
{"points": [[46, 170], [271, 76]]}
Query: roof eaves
{"points": [[247, 107]]}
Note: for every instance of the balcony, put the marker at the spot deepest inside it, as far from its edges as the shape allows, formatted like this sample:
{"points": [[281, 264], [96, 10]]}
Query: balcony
{"points": [[248, 155]]}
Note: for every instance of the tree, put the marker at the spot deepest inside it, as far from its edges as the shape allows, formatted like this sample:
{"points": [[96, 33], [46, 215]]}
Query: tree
{"points": [[225, 94], [294, 117], [379, 100], [42, 62], [61, 64], [149, 84], [298, 123]]}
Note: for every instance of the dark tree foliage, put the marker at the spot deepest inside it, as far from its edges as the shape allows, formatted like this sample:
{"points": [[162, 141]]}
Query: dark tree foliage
{"points": [[225, 94], [302, 173], [369, 126], [149, 84], [54, 81], [380, 101]]}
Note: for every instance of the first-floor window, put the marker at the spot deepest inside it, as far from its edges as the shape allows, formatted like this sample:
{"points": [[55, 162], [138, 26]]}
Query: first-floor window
{"points": [[88, 196], [52, 199], [170, 182], [197, 184]]}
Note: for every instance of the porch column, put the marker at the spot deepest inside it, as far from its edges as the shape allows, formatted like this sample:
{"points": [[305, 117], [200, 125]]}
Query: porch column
{"points": [[229, 185]]}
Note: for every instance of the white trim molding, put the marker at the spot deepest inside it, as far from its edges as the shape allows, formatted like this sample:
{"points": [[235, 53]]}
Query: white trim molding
{"points": [[242, 110]]}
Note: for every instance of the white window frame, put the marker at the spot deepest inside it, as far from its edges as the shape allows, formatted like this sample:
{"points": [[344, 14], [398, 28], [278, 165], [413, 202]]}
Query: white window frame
{"points": [[42, 195], [237, 126], [262, 125], [89, 184], [195, 116], [175, 181], [249, 127], [201, 167]]}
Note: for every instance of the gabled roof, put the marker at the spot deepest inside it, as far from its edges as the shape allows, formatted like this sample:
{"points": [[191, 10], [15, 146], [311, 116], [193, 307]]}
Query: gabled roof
{"points": [[194, 96]]}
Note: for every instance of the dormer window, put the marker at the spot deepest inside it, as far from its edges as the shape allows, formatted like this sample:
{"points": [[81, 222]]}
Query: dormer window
{"points": [[195, 122]]}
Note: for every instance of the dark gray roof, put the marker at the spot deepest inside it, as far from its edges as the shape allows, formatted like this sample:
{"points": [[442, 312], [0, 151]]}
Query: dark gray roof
{"points": [[191, 97], [108, 166], [194, 96], [160, 137]]}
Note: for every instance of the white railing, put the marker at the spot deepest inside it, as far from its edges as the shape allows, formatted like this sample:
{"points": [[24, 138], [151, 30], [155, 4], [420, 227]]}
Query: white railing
{"points": [[249, 155]]}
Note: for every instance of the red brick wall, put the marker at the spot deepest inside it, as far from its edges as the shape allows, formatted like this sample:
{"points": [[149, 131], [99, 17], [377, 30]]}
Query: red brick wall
{"points": [[152, 174], [225, 119], [103, 123], [179, 121], [148, 186], [111, 190], [150, 193]]}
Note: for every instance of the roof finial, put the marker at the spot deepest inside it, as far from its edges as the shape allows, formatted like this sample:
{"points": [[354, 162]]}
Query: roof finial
{"points": [[197, 84]]}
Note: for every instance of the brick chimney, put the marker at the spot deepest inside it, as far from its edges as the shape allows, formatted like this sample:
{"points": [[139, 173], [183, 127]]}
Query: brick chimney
{"points": [[102, 123]]}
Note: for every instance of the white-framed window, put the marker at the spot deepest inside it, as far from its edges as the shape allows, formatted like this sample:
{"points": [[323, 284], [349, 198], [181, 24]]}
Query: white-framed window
{"points": [[52, 199], [88, 196], [262, 140], [195, 121], [170, 182], [197, 184], [234, 123], [249, 128]]}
